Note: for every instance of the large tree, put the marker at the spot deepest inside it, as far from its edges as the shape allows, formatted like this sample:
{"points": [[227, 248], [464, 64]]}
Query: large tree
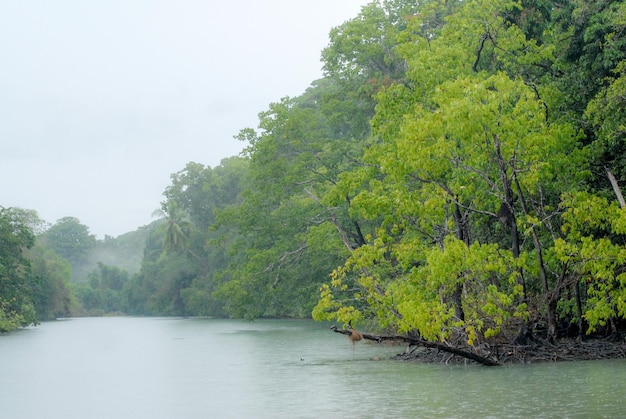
{"points": [[71, 240], [475, 148]]}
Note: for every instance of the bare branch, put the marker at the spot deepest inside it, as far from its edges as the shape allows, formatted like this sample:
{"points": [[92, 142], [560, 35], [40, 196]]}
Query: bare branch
{"points": [[420, 342]]}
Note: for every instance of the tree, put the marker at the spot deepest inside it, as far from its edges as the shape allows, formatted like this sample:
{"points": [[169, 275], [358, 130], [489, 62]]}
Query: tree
{"points": [[593, 251], [462, 146], [16, 293], [71, 240], [103, 292], [186, 254], [295, 160], [606, 114], [175, 238], [50, 276]]}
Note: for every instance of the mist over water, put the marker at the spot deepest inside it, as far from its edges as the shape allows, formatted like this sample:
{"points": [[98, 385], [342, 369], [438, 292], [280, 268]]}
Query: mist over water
{"points": [[192, 368]]}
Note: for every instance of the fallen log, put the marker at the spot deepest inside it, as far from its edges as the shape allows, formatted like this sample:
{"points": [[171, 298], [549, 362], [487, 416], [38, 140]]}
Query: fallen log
{"points": [[420, 342]]}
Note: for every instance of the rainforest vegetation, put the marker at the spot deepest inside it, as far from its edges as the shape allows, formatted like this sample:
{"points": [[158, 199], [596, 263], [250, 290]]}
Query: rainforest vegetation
{"points": [[455, 173]]}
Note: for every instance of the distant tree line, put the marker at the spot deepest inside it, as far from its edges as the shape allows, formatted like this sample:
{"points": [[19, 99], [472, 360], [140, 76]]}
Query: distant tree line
{"points": [[455, 172], [33, 279], [47, 272]]}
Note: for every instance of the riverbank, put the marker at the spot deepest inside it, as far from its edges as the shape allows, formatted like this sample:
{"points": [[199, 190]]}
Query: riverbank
{"points": [[562, 350], [525, 349]]}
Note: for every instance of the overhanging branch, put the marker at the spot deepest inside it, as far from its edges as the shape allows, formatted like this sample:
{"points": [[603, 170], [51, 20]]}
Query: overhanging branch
{"points": [[421, 342]]}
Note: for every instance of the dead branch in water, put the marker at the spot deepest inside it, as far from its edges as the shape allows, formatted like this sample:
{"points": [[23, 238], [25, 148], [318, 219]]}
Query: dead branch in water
{"points": [[418, 342]]}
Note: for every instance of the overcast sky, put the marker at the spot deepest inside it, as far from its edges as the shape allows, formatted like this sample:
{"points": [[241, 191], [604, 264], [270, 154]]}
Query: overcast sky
{"points": [[102, 100]]}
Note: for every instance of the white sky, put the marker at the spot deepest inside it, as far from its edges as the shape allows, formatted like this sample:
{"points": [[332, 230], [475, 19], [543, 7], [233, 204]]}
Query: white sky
{"points": [[102, 100]]}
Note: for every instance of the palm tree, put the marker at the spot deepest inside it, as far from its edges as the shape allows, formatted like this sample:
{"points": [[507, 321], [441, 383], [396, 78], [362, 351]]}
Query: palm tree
{"points": [[175, 224], [176, 227]]}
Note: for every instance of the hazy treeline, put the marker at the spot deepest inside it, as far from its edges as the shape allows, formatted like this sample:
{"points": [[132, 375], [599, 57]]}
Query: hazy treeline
{"points": [[450, 173], [55, 271]]}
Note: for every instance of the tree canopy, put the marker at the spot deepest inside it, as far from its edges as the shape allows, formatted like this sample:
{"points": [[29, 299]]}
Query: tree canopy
{"points": [[454, 174]]}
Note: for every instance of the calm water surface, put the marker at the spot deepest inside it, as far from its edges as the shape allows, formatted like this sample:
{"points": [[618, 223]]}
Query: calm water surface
{"points": [[149, 368]]}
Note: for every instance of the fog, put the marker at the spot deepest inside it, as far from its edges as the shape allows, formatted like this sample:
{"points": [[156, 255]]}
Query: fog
{"points": [[101, 101]]}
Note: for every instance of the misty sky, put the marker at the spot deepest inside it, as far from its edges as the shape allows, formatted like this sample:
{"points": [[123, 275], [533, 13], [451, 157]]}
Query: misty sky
{"points": [[102, 100]]}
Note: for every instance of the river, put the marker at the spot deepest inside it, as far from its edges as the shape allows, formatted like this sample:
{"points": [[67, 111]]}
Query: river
{"points": [[124, 367]]}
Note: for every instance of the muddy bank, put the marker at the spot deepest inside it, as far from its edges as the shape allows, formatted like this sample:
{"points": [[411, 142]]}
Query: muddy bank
{"points": [[563, 350]]}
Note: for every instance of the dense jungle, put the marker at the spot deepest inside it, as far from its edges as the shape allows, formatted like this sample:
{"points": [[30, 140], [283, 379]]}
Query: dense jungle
{"points": [[455, 177]]}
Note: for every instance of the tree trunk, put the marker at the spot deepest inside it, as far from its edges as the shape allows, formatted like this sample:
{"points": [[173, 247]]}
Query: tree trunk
{"points": [[579, 311], [507, 209], [421, 342], [616, 188], [550, 298], [463, 235]]}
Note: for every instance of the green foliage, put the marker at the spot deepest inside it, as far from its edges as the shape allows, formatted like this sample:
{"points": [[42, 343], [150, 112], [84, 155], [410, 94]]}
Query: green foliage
{"points": [[175, 224], [50, 275], [468, 154], [186, 253], [124, 251], [71, 240], [445, 220], [606, 113], [365, 47], [594, 250], [488, 276], [445, 177], [103, 292], [16, 289], [286, 241]]}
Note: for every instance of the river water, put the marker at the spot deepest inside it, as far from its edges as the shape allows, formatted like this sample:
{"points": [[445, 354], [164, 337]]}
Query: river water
{"points": [[118, 368]]}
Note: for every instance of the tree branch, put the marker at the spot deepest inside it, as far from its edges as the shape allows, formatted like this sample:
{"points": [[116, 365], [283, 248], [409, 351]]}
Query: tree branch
{"points": [[483, 38], [421, 342], [616, 188]]}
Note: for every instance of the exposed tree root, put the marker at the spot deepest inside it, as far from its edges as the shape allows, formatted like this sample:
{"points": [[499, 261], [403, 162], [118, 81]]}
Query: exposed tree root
{"points": [[563, 350]]}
